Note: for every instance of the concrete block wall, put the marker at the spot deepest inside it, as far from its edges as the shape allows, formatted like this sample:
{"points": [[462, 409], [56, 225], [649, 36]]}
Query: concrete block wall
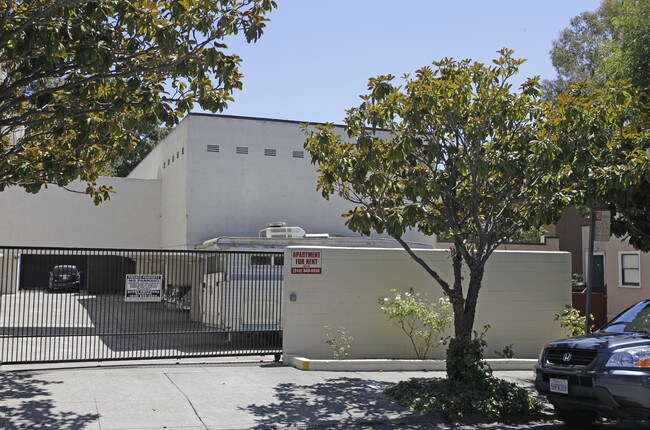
{"points": [[520, 295]]}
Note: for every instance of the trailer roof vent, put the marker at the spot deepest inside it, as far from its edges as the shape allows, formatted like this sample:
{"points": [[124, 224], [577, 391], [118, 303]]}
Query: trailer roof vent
{"points": [[282, 232]]}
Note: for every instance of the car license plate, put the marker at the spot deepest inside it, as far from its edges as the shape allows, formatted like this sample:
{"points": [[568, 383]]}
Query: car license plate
{"points": [[559, 386]]}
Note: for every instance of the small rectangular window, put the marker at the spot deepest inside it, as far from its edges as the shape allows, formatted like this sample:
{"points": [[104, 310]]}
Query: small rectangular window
{"points": [[278, 260], [261, 260], [630, 269], [212, 148], [173, 158], [183, 150], [243, 150], [298, 154], [270, 152], [168, 162], [177, 154]]}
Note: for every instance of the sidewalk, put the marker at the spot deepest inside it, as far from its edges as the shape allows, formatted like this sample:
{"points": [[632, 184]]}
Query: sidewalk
{"points": [[218, 394]]}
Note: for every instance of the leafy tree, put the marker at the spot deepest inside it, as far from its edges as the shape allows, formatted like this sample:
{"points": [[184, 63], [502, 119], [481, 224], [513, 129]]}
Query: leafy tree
{"points": [[630, 45], [122, 166], [611, 43], [599, 47], [451, 152], [581, 48], [81, 80], [598, 150]]}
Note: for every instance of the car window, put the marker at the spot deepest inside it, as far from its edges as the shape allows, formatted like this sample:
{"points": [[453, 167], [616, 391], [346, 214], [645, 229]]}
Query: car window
{"points": [[58, 270], [641, 321], [635, 319]]}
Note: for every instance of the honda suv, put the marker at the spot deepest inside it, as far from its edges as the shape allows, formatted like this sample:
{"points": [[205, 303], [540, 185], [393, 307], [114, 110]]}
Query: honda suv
{"points": [[64, 276], [604, 374]]}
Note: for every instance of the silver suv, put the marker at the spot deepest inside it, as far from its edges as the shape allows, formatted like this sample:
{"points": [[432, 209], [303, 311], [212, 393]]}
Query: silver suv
{"points": [[606, 373]]}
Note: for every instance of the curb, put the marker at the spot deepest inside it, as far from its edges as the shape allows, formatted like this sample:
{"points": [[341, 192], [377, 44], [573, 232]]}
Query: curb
{"points": [[387, 365]]}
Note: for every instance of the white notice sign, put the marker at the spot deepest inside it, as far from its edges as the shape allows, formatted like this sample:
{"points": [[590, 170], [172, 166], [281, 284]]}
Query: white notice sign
{"points": [[143, 288], [306, 263], [602, 231]]}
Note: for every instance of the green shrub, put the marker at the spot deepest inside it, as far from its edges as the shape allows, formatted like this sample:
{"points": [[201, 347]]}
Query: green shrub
{"points": [[571, 321], [506, 352], [470, 388], [339, 341], [489, 396], [421, 320], [465, 358]]}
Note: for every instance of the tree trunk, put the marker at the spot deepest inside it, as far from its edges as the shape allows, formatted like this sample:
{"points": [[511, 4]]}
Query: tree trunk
{"points": [[465, 355]]}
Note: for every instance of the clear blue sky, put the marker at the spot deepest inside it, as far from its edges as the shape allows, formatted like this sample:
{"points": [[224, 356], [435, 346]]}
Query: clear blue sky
{"points": [[316, 56]]}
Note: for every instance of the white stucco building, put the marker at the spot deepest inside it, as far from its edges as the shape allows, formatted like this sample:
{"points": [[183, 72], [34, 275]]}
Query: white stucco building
{"points": [[224, 176], [213, 175]]}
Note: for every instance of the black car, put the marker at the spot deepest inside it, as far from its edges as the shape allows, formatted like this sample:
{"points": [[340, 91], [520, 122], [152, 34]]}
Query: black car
{"points": [[65, 276], [604, 374]]}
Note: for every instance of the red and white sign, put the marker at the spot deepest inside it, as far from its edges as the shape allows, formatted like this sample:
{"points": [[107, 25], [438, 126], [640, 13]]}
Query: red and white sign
{"points": [[602, 229], [306, 263]]}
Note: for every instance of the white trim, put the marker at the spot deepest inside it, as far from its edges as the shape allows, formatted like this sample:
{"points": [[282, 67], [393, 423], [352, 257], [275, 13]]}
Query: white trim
{"points": [[619, 265]]}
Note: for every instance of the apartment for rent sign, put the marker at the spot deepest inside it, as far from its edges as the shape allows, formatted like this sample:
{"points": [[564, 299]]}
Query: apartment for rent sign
{"points": [[306, 263]]}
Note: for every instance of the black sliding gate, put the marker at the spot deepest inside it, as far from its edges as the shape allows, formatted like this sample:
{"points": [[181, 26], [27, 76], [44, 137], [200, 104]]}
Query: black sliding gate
{"points": [[108, 304]]}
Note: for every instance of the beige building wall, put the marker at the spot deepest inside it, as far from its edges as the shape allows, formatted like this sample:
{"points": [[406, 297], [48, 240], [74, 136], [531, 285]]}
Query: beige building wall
{"points": [[520, 295], [619, 295]]}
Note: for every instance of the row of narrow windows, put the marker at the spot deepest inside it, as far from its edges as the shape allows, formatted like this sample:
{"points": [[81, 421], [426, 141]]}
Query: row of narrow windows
{"points": [[174, 157], [244, 150], [241, 150]]}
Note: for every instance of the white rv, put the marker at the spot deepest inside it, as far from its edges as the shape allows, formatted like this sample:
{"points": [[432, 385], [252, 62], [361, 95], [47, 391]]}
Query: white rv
{"points": [[242, 289]]}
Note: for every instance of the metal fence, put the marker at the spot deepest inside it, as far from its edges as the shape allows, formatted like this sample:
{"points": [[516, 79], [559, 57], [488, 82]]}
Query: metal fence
{"points": [[110, 304]]}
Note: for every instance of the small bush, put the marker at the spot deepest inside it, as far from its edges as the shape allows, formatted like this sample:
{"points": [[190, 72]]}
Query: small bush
{"points": [[339, 341], [470, 388], [421, 320], [506, 352], [571, 321]]}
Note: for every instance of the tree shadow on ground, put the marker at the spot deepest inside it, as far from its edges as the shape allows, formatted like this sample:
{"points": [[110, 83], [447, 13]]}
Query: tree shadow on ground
{"points": [[25, 402], [344, 403], [336, 403]]}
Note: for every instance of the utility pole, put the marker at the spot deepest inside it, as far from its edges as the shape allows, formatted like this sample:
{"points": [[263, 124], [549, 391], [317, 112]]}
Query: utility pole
{"points": [[590, 270]]}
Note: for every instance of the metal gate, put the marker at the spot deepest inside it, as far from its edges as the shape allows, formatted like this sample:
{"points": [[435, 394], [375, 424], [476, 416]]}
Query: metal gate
{"points": [[113, 304]]}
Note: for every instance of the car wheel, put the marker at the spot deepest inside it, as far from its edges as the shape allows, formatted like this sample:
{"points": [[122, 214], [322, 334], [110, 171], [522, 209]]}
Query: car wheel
{"points": [[577, 418]]}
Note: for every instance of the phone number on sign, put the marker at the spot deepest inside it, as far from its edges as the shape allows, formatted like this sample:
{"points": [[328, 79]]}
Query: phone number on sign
{"points": [[306, 271]]}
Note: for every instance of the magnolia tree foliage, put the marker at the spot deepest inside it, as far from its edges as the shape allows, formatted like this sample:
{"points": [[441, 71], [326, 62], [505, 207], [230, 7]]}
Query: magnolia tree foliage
{"points": [[597, 150], [80, 80], [600, 47], [452, 151]]}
